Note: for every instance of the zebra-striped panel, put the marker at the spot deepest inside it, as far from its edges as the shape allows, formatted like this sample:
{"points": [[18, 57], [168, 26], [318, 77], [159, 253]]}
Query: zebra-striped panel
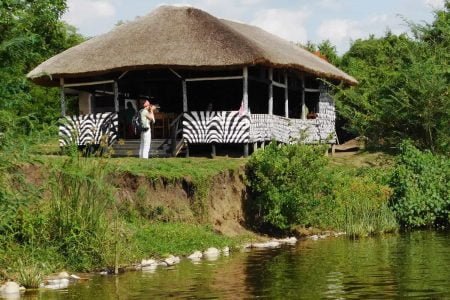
{"points": [[216, 127], [88, 129]]}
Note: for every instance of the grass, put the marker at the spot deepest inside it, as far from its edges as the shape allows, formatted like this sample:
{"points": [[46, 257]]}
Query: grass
{"points": [[361, 159], [161, 239], [177, 168]]}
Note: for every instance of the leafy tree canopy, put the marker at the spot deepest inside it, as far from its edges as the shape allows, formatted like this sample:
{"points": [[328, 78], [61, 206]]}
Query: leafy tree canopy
{"points": [[30, 32], [404, 86]]}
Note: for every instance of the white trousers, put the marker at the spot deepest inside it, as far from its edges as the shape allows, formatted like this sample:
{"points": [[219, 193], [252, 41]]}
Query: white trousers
{"points": [[146, 140]]}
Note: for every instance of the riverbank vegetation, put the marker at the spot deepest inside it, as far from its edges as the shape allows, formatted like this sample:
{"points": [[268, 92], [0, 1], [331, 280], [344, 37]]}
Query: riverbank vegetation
{"points": [[295, 185], [68, 212]]}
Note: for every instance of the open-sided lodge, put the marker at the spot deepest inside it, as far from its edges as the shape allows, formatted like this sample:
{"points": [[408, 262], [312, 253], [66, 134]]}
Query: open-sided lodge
{"points": [[216, 81]]}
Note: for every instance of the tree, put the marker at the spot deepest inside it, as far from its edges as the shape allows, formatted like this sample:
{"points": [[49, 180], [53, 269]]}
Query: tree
{"points": [[403, 89], [30, 32]]}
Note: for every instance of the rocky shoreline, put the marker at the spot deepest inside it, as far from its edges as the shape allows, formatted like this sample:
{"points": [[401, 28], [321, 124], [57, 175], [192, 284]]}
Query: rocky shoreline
{"points": [[12, 290]]}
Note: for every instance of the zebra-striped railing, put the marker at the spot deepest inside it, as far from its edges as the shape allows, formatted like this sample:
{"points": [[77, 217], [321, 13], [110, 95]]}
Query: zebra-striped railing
{"points": [[91, 129], [221, 127], [272, 127]]}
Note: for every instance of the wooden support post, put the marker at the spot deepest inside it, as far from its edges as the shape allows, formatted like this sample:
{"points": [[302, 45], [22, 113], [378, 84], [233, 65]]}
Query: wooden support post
{"points": [[185, 104], [63, 97], [116, 96], [246, 150], [271, 91], [303, 98], [213, 150], [286, 95], [245, 89]]}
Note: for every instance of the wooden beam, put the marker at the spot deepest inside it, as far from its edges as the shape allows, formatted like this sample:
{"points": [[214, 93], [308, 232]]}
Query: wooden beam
{"points": [[89, 83], [122, 75], [63, 97], [308, 90], [245, 89], [185, 104], [303, 98], [116, 96], [286, 95], [246, 150], [277, 84], [213, 78], [271, 91], [176, 74]]}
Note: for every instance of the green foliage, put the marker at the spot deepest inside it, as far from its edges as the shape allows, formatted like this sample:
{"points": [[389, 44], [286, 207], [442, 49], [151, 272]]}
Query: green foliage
{"points": [[293, 185], [325, 48], [81, 199], [284, 182], [30, 32], [404, 87], [158, 239], [421, 185], [357, 204]]}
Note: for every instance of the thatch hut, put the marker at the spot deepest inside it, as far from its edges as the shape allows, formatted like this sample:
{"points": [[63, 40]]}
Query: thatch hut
{"points": [[217, 81]]}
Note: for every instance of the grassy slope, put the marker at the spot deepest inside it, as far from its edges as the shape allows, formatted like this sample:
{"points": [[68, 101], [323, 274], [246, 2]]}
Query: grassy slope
{"points": [[158, 239]]}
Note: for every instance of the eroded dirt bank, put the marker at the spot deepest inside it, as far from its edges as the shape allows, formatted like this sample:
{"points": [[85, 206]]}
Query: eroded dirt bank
{"points": [[218, 201]]}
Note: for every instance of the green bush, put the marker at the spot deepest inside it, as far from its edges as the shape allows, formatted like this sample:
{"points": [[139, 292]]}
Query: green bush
{"points": [[294, 185], [421, 185], [285, 182]]}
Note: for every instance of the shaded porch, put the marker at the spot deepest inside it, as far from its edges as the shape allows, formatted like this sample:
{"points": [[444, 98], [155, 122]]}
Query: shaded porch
{"points": [[249, 105]]}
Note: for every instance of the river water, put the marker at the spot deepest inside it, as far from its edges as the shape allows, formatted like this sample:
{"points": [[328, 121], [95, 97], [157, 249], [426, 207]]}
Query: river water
{"points": [[413, 265]]}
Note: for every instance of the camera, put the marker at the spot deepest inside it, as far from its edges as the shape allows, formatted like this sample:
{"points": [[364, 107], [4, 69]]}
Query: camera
{"points": [[156, 107]]}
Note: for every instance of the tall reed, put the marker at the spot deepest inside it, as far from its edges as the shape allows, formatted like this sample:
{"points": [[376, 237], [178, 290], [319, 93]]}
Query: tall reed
{"points": [[81, 201]]}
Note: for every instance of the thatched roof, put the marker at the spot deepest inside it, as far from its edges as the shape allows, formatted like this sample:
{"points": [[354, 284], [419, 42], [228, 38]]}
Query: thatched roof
{"points": [[182, 37]]}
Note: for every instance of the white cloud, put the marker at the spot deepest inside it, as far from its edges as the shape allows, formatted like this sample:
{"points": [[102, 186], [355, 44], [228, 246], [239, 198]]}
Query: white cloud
{"points": [[330, 4], [435, 4], [90, 15], [288, 24], [341, 32]]}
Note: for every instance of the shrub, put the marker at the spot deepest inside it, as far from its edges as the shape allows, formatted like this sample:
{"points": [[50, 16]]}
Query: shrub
{"points": [[293, 185], [284, 182], [421, 185]]}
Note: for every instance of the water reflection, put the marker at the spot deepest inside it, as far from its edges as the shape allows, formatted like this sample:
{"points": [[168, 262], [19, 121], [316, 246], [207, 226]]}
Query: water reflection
{"points": [[397, 266]]}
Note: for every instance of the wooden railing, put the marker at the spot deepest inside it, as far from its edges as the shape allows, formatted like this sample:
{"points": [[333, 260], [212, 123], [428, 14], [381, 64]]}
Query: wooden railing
{"points": [[176, 132]]}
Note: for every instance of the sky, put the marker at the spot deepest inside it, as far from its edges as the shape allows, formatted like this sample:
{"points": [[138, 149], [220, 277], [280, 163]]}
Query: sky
{"points": [[339, 21]]}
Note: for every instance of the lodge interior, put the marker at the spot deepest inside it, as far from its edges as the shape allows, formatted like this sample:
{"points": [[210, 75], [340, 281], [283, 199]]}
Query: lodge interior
{"points": [[165, 89]]}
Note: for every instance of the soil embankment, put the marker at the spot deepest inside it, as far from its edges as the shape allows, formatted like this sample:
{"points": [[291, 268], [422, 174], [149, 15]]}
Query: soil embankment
{"points": [[217, 201]]}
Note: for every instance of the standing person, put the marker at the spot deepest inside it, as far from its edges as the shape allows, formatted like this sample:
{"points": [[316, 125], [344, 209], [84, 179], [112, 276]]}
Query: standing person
{"points": [[147, 118]]}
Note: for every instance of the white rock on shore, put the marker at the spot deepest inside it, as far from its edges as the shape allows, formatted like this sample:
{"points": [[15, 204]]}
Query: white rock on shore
{"points": [[57, 283], [172, 260], [10, 288], [269, 244], [290, 240], [211, 253], [197, 255], [226, 251]]}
